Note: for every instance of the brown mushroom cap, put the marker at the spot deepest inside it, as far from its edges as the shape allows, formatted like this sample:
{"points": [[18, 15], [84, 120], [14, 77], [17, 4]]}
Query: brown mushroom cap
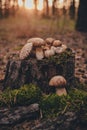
{"points": [[49, 40], [57, 81], [57, 43], [37, 42]]}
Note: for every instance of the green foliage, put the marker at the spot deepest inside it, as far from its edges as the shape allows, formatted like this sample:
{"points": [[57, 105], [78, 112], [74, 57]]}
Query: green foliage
{"points": [[52, 105], [26, 95]]}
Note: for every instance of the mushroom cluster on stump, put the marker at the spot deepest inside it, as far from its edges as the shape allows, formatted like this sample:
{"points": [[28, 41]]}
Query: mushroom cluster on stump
{"points": [[38, 62], [39, 48], [59, 82]]}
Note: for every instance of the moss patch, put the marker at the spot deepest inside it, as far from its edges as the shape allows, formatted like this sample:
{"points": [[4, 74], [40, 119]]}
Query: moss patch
{"points": [[53, 105], [25, 95], [63, 57]]}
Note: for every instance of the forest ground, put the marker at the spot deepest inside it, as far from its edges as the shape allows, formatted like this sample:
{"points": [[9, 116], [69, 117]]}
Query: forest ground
{"points": [[15, 31]]}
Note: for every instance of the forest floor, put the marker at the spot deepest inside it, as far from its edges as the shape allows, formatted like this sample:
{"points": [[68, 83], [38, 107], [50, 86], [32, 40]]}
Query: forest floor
{"points": [[15, 31]]}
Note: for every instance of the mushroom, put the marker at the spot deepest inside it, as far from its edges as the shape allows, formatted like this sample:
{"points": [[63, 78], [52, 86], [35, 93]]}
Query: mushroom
{"points": [[53, 48], [59, 82], [37, 47], [59, 50], [49, 40], [39, 53], [45, 47], [64, 47], [57, 43], [49, 53], [25, 51], [37, 41]]}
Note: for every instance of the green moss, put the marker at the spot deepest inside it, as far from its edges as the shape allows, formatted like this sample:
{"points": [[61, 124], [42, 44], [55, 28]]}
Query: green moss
{"points": [[79, 85], [26, 95], [53, 105], [64, 57]]}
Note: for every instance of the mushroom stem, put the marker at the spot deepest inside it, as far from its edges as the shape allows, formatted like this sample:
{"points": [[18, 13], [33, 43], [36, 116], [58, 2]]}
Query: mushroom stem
{"points": [[61, 91]]}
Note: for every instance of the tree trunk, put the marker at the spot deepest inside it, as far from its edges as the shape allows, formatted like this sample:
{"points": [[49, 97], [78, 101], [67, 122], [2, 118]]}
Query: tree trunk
{"points": [[81, 24], [54, 7], [35, 6], [46, 8], [72, 10], [1, 9]]}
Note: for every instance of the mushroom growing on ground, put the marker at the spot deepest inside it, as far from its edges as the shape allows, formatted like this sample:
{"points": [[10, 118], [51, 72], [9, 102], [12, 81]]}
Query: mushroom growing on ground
{"points": [[26, 50], [59, 82]]}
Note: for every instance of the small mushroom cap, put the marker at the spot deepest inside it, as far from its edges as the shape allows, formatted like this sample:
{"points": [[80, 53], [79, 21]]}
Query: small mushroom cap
{"points": [[49, 40], [26, 50], [57, 43], [57, 81], [37, 42]]}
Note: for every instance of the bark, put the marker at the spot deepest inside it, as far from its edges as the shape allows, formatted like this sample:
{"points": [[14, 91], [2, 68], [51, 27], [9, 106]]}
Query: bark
{"points": [[17, 115]]}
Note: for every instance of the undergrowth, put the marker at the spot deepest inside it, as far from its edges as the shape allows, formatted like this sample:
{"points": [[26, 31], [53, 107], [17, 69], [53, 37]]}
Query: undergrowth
{"points": [[51, 105]]}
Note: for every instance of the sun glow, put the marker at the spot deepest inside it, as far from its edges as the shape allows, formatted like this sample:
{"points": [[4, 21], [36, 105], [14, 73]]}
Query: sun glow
{"points": [[30, 4]]}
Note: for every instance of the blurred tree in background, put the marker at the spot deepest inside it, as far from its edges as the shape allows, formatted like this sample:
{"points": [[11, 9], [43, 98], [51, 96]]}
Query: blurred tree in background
{"points": [[81, 24], [1, 9], [72, 9]]}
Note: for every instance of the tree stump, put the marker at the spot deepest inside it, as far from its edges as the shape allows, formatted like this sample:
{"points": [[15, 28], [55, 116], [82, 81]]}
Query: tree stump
{"points": [[39, 72]]}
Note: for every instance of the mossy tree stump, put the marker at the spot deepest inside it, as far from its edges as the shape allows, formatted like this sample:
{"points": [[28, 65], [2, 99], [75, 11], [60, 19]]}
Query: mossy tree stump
{"points": [[20, 72]]}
